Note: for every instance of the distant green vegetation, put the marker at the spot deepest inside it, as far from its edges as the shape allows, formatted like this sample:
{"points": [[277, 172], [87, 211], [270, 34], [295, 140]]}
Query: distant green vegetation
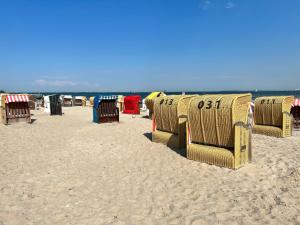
{"points": [[2, 91]]}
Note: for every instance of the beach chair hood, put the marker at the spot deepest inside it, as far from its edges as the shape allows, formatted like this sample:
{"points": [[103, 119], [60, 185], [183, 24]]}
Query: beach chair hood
{"points": [[167, 111], [149, 100]]}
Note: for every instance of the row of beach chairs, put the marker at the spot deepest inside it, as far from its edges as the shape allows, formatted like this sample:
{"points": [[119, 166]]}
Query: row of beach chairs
{"points": [[216, 129], [14, 108], [107, 108]]}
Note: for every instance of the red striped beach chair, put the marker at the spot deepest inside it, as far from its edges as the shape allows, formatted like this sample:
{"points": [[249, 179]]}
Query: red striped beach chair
{"points": [[15, 108]]}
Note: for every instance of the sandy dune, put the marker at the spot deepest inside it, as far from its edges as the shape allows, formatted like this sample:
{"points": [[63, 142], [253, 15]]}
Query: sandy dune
{"points": [[67, 170]]}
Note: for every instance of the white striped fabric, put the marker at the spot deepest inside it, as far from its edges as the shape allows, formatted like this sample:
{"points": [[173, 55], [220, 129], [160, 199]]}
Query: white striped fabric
{"points": [[16, 98], [296, 102], [251, 108]]}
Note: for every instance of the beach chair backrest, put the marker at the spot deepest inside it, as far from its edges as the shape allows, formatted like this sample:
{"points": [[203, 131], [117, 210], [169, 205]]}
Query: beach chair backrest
{"points": [[168, 110], [269, 110], [107, 107], [211, 118]]}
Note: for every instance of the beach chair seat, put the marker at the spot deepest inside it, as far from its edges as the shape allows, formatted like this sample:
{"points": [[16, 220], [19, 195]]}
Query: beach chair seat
{"points": [[172, 140], [267, 130], [169, 120], [211, 155], [272, 116], [217, 130]]}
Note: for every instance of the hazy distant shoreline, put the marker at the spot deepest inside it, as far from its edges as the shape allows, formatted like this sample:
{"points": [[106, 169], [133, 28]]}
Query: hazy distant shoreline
{"points": [[255, 94]]}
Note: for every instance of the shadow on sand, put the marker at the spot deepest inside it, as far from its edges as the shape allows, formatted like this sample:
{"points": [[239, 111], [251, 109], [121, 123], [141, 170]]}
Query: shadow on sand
{"points": [[181, 151]]}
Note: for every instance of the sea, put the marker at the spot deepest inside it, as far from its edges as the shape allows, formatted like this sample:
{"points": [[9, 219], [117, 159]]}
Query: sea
{"points": [[255, 94]]}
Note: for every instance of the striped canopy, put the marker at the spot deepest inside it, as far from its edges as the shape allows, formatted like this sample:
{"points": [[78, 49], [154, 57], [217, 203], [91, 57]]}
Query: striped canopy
{"points": [[296, 102], [16, 98]]}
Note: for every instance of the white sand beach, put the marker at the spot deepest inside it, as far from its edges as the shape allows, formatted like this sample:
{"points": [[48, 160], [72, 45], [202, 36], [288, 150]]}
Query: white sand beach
{"points": [[68, 170]]}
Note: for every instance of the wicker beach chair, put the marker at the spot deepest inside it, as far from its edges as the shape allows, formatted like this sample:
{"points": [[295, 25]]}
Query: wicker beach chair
{"points": [[78, 101], [55, 105], [132, 104], [91, 101], [169, 120], [272, 116], [15, 108], [32, 102], [120, 103], [83, 100], [149, 101], [105, 109], [217, 130], [68, 100]]}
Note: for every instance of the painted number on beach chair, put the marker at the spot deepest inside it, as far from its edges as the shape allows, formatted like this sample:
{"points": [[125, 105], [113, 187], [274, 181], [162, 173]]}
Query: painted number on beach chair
{"points": [[167, 102], [209, 104], [268, 101]]}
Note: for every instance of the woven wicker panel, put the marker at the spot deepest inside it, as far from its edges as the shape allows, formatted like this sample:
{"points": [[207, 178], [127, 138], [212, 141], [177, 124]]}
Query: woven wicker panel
{"points": [[268, 110], [169, 139], [3, 97], [211, 118], [267, 130], [287, 126], [211, 155], [167, 110], [149, 100]]}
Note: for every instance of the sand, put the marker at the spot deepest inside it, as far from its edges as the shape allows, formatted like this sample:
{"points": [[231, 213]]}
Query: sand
{"points": [[68, 170]]}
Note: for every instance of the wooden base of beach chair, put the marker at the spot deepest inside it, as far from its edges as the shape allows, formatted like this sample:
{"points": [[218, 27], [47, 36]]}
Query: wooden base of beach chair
{"points": [[173, 141]]}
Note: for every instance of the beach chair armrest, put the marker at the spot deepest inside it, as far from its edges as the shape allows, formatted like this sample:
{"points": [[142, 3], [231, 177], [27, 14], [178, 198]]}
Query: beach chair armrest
{"points": [[287, 124], [242, 143]]}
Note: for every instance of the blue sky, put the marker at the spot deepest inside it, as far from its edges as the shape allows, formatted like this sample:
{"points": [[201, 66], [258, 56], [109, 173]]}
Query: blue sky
{"points": [[139, 45]]}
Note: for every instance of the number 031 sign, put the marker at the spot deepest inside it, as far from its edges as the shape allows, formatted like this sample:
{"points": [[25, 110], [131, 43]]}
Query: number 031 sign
{"points": [[209, 104]]}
